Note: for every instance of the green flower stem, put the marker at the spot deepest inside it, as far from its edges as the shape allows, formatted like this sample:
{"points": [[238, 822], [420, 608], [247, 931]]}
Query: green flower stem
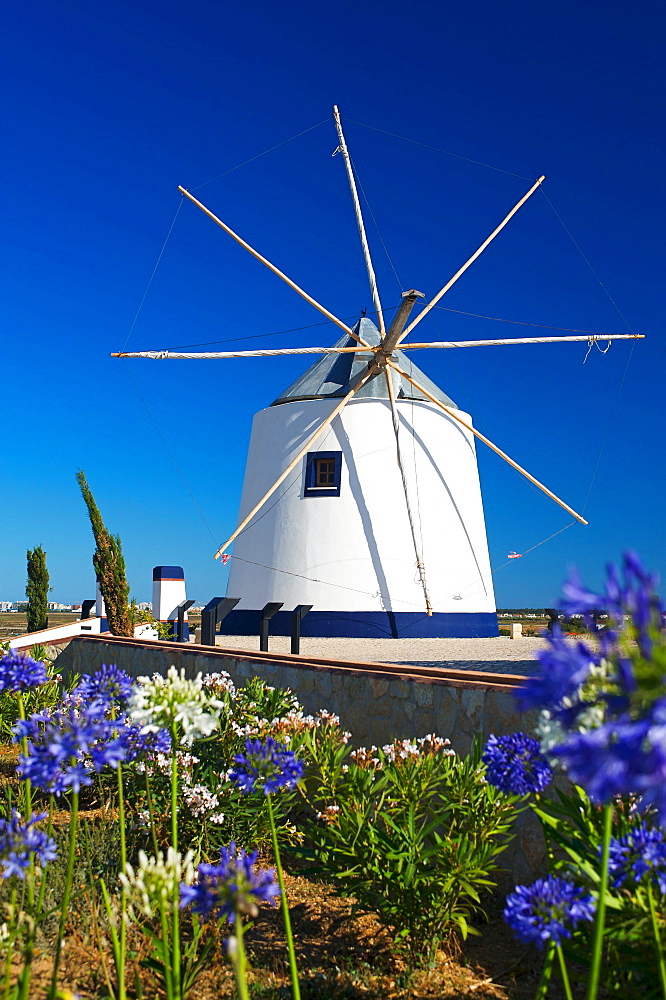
{"points": [[564, 973], [27, 786], [546, 973], [295, 988], [239, 960], [597, 944], [657, 940], [120, 967], [174, 788], [29, 947], [174, 842], [168, 971], [67, 892], [49, 833], [545, 829], [151, 814], [25, 976], [6, 983], [93, 911]]}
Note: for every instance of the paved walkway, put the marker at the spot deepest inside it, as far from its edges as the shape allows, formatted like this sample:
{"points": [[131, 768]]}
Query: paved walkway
{"points": [[501, 655]]}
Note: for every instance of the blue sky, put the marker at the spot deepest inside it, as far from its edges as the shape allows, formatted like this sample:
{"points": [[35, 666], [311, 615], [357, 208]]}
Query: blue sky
{"points": [[107, 108]]}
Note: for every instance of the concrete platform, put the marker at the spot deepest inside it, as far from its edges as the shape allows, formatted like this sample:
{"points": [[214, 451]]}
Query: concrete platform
{"points": [[500, 655]]}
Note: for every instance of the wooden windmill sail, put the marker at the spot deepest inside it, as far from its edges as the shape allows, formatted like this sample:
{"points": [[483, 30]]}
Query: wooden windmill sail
{"points": [[362, 433]]}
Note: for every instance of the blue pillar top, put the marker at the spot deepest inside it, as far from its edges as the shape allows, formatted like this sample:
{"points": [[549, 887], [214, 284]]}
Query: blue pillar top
{"points": [[168, 573]]}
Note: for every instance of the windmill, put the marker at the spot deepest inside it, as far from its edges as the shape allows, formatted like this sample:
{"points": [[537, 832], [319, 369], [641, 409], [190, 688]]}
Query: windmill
{"points": [[378, 524]]}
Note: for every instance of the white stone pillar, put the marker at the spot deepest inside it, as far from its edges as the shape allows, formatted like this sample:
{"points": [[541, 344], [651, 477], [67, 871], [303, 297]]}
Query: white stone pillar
{"points": [[168, 593], [100, 609]]}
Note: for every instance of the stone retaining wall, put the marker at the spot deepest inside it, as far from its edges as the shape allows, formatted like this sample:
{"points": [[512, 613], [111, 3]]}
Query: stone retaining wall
{"points": [[377, 702]]}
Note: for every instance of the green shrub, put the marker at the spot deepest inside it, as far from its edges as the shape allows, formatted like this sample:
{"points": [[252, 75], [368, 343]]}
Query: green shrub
{"points": [[411, 831]]}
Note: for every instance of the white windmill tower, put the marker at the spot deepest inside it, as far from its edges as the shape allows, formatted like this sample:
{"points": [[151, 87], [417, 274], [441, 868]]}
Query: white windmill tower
{"points": [[362, 440]]}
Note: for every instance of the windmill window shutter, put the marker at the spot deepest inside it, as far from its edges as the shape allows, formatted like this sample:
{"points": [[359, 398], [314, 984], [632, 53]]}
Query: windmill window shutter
{"points": [[323, 471]]}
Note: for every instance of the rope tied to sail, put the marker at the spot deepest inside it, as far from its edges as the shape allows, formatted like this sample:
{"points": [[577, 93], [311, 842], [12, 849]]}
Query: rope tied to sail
{"points": [[420, 566]]}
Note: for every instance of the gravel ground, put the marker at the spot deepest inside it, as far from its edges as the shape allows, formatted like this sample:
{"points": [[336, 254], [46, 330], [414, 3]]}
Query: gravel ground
{"points": [[501, 655]]}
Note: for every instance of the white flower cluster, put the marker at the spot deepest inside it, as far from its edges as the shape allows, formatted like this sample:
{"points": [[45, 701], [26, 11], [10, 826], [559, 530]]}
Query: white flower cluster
{"points": [[364, 757], [402, 750], [324, 717], [295, 721], [329, 815], [154, 882], [201, 802], [143, 819], [174, 701], [436, 744], [219, 682], [254, 729], [161, 764]]}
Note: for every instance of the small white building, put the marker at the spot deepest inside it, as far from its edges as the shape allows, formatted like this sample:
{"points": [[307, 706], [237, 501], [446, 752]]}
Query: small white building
{"points": [[336, 535]]}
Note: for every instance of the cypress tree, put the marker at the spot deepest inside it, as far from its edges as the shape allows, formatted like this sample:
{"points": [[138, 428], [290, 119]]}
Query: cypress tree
{"points": [[109, 566], [37, 590]]}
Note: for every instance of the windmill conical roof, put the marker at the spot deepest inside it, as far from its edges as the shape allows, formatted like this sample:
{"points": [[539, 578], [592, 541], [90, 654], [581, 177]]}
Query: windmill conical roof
{"points": [[332, 375]]}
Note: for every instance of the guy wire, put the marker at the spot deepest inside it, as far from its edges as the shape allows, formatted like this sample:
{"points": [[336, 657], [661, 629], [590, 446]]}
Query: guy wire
{"points": [[259, 155], [154, 271], [446, 152], [374, 222], [631, 352]]}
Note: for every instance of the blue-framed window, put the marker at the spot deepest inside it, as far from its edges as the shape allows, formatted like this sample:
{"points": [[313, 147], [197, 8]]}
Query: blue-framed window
{"points": [[323, 471]]}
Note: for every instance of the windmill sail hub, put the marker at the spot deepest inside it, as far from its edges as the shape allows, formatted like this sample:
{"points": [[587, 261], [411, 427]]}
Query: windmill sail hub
{"points": [[332, 375]]}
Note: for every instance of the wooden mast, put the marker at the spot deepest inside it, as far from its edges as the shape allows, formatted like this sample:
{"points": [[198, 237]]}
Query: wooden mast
{"points": [[420, 565], [498, 451], [433, 302], [255, 253], [441, 345], [342, 148]]}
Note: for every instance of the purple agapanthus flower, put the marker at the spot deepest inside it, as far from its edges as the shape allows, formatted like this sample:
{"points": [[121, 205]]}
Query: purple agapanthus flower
{"points": [[108, 684], [640, 853], [139, 745], [19, 672], [653, 784], [230, 888], [564, 668], [19, 841], [66, 746], [606, 761], [623, 757], [547, 910], [267, 766], [515, 764]]}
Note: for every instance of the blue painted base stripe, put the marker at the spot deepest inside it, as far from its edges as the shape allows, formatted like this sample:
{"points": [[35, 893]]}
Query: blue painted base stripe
{"points": [[370, 624]]}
